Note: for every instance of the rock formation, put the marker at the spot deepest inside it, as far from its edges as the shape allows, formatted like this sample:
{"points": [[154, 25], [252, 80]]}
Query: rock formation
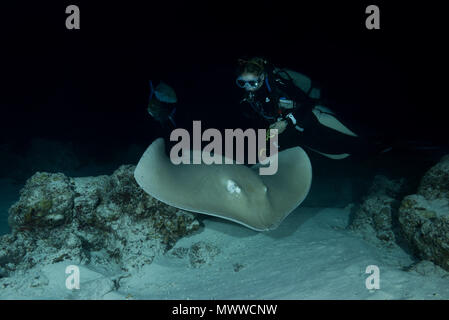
{"points": [[102, 220], [424, 216]]}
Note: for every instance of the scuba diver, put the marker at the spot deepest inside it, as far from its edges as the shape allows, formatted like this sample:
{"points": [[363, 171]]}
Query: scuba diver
{"points": [[289, 101]]}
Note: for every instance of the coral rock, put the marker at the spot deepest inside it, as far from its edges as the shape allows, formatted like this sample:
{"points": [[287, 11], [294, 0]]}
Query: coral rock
{"points": [[46, 201], [100, 220], [424, 217], [377, 214]]}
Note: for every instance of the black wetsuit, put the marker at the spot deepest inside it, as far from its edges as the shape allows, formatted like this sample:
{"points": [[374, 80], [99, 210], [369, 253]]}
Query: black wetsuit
{"points": [[307, 132]]}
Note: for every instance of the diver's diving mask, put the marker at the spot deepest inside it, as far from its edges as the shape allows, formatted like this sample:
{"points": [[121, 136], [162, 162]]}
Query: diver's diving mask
{"points": [[249, 84]]}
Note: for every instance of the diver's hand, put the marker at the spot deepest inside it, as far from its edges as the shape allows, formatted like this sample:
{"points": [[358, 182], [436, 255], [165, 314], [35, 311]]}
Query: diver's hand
{"points": [[280, 125]]}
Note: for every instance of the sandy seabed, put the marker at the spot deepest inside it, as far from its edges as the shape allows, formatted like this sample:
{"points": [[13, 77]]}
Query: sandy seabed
{"points": [[310, 256]]}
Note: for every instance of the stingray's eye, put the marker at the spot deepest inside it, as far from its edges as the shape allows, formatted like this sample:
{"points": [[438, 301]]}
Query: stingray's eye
{"points": [[233, 187]]}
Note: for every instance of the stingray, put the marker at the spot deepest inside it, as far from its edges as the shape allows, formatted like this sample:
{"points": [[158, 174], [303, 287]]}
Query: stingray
{"points": [[234, 192]]}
